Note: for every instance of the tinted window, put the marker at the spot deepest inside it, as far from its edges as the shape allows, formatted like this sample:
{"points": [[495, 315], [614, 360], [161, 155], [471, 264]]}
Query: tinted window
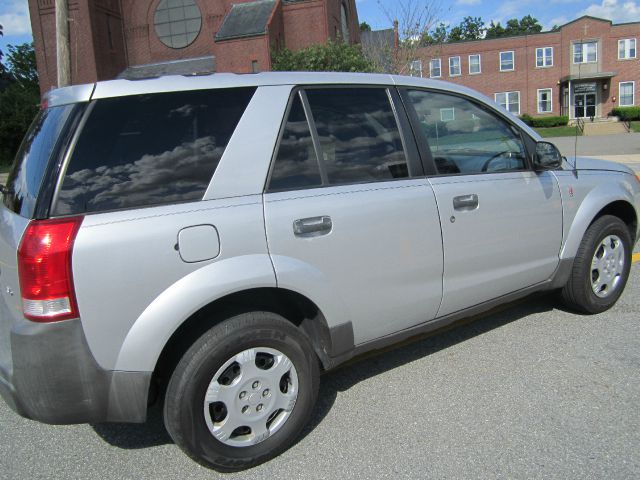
{"points": [[150, 149], [465, 138], [296, 164], [32, 159], [358, 134]]}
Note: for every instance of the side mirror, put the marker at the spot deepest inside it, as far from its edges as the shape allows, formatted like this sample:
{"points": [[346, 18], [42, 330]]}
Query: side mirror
{"points": [[547, 156]]}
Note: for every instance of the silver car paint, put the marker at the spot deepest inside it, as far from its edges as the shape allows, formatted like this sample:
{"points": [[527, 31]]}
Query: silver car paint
{"points": [[511, 241], [382, 259], [134, 290], [12, 227], [245, 162], [585, 194], [128, 272]]}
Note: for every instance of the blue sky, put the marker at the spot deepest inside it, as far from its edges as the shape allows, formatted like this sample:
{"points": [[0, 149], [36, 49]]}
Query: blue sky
{"points": [[14, 14], [548, 12]]}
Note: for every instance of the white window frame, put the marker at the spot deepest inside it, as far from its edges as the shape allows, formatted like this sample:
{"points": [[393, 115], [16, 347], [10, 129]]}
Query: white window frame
{"points": [[479, 64], [431, 75], [539, 91], [585, 52], [513, 61], [506, 97], [459, 66], [447, 111], [544, 57], [415, 66], [627, 48], [633, 94]]}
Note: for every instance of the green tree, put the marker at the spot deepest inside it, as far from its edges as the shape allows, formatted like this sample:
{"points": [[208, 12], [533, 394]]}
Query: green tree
{"points": [[19, 100], [495, 30], [470, 28], [365, 27], [329, 57], [525, 26]]}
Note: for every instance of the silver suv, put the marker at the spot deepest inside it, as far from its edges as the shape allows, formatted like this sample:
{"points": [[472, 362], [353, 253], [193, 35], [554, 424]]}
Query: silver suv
{"points": [[216, 242]]}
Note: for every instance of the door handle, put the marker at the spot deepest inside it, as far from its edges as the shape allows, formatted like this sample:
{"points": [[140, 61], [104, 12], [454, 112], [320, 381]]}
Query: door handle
{"points": [[312, 226], [465, 202]]}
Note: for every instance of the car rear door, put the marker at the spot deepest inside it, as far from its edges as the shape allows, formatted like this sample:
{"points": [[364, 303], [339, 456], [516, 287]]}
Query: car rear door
{"points": [[351, 221], [501, 221]]}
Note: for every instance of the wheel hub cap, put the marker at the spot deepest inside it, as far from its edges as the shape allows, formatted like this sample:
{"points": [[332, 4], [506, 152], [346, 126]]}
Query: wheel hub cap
{"points": [[607, 266], [251, 396]]}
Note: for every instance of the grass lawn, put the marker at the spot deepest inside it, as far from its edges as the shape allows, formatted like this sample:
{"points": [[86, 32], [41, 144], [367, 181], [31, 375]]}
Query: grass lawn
{"points": [[635, 126], [558, 131]]}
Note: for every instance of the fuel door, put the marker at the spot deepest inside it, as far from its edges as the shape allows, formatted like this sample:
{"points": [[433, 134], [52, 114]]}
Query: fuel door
{"points": [[198, 243]]}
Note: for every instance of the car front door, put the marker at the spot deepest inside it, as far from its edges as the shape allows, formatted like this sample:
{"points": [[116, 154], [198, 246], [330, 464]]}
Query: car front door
{"points": [[351, 220], [501, 221]]}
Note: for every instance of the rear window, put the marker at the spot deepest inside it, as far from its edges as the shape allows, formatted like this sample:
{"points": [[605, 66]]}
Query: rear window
{"points": [[148, 150], [32, 160]]}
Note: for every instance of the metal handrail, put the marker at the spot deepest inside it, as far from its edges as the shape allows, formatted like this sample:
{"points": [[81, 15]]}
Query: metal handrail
{"points": [[580, 124], [627, 125]]}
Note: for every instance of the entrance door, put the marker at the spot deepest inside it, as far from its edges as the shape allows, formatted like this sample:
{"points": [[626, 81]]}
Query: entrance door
{"points": [[585, 105]]}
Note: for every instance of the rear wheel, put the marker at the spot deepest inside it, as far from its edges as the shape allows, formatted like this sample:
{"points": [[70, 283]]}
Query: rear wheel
{"points": [[601, 267], [243, 392]]}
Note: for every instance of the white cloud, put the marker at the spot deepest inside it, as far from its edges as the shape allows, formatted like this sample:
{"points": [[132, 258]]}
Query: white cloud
{"points": [[468, 2], [14, 18], [614, 10]]}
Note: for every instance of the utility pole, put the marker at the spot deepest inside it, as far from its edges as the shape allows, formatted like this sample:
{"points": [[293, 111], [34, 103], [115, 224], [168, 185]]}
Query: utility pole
{"points": [[62, 43]]}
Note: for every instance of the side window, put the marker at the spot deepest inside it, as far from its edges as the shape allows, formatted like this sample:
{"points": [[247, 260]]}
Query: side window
{"points": [[359, 137], [153, 149], [465, 138], [296, 165]]}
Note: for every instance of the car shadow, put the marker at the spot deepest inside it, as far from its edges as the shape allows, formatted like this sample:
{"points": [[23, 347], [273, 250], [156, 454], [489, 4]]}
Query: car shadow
{"points": [[153, 433]]}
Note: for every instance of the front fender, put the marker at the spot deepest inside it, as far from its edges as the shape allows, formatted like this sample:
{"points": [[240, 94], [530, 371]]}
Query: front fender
{"points": [[153, 328], [586, 209]]}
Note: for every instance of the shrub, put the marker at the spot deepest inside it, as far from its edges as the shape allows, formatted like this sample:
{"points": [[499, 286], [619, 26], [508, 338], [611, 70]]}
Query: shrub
{"points": [[526, 118], [627, 113], [544, 122], [330, 57]]}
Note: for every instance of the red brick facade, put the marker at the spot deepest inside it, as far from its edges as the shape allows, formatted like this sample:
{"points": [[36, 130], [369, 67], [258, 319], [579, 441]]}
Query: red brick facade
{"points": [[107, 36], [564, 78]]}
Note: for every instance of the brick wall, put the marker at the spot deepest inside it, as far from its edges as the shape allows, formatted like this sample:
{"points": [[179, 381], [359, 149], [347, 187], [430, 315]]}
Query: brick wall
{"points": [[527, 78]]}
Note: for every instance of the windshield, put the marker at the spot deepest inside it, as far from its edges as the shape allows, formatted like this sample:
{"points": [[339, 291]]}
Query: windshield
{"points": [[30, 164]]}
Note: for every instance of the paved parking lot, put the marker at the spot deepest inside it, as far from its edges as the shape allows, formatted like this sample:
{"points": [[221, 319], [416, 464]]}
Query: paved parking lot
{"points": [[531, 391]]}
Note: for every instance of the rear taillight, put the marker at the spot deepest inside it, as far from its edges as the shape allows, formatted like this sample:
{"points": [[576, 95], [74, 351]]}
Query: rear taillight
{"points": [[44, 267]]}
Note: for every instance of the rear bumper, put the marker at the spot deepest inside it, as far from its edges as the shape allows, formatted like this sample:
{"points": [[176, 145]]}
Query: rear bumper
{"points": [[56, 380]]}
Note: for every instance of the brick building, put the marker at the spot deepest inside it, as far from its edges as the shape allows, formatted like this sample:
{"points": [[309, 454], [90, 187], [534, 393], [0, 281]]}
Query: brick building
{"points": [[584, 69], [132, 38]]}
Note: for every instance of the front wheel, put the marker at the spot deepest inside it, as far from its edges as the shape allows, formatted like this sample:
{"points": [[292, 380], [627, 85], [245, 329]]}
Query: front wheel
{"points": [[243, 392], [601, 267]]}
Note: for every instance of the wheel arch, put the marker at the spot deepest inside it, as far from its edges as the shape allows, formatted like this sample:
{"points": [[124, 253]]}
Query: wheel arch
{"points": [[594, 206], [296, 308]]}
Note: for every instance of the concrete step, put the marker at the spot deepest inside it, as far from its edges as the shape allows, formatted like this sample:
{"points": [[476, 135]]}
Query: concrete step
{"points": [[603, 128]]}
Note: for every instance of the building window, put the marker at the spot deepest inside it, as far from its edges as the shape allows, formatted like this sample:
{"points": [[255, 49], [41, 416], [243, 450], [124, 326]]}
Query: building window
{"points": [[454, 66], [415, 68], [627, 94], [506, 61], [447, 114], [510, 101], [474, 64], [435, 70], [344, 21], [585, 52], [544, 57], [626, 48], [544, 100], [177, 22]]}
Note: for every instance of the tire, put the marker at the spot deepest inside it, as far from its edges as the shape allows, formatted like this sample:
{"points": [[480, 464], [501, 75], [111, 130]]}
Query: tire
{"points": [[238, 373], [595, 285]]}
